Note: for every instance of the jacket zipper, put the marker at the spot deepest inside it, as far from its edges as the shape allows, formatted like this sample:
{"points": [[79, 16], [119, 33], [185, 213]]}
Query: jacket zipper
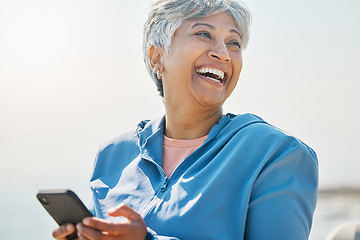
{"points": [[155, 201]]}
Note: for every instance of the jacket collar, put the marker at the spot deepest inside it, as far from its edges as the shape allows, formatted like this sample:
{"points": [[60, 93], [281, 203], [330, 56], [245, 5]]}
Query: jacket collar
{"points": [[150, 133]]}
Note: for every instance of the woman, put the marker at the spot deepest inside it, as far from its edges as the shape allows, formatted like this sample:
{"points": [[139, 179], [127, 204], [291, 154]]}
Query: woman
{"points": [[196, 173]]}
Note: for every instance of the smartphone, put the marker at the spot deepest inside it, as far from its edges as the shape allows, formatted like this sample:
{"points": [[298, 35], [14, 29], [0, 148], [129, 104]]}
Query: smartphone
{"points": [[64, 206]]}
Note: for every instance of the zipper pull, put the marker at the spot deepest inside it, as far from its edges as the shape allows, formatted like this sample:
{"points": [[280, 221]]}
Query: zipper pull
{"points": [[164, 185]]}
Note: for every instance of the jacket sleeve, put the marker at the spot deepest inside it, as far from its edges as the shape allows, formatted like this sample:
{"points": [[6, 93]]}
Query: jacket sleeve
{"points": [[283, 197]]}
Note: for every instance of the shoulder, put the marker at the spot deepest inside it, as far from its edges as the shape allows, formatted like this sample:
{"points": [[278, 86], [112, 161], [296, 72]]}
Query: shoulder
{"points": [[116, 153], [127, 140], [127, 145], [269, 139]]}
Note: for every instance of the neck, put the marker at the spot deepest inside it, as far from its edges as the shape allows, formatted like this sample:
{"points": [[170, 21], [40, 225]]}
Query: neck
{"points": [[190, 123]]}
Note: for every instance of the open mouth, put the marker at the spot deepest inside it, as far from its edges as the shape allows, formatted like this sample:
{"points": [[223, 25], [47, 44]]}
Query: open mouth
{"points": [[213, 74]]}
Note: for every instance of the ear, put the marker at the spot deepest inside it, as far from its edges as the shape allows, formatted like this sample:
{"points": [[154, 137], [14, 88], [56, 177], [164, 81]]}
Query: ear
{"points": [[155, 55]]}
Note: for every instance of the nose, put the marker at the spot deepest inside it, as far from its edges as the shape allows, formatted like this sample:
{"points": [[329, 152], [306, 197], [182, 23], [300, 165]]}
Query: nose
{"points": [[219, 52]]}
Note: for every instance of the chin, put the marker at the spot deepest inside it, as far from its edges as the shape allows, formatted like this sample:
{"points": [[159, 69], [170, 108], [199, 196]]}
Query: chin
{"points": [[211, 101]]}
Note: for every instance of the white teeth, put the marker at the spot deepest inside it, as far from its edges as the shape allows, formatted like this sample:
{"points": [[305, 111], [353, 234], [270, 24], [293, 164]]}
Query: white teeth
{"points": [[213, 79], [217, 72]]}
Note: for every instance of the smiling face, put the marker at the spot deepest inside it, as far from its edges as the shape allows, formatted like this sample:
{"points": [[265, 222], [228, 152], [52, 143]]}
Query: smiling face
{"points": [[204, 63]]}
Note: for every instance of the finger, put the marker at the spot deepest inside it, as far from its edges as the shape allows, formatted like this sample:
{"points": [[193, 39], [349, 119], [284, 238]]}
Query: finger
{"points": [[87, 233], [102, 225], [125, 211], [61, 232], [82, 237], [135, 229]]}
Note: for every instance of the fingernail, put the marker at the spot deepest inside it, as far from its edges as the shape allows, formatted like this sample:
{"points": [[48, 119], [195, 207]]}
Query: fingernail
{"points": [[69, 227], [118, 207], [86, 221], [111, 210]]}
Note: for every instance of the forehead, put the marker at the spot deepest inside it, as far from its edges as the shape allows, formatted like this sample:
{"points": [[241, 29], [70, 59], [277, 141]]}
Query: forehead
{"points": [[222, 20]]}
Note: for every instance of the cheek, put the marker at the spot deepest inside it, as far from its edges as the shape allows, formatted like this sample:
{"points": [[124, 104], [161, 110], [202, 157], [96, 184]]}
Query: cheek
{"points": [[237, 63], [182, 62], [237, 66]]}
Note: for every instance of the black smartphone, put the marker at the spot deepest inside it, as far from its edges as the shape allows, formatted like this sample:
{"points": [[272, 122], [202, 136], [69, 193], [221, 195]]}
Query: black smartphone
{"points": [[64, 206]]}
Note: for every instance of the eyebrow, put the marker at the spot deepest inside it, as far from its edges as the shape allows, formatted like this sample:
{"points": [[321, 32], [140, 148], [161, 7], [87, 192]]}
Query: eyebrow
{"points": [[203, 24], [212, 27]]}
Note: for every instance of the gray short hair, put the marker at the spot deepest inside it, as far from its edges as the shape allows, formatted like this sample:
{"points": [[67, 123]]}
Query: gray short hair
{"points": [[166, 17]]}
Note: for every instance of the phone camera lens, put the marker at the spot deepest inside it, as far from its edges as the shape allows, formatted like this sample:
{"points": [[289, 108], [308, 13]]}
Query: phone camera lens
{"points": [[44, 200]]}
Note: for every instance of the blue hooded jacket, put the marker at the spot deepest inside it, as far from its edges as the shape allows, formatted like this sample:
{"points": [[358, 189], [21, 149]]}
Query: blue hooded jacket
{"points": [[249, 180]]}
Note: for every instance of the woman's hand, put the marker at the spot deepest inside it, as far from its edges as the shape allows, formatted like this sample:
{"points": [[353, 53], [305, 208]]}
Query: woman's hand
{"points": [[95, 228], [61, 232]]}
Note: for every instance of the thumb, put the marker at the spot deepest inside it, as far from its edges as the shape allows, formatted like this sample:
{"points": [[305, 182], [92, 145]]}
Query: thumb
{"points": [[123, 210]]}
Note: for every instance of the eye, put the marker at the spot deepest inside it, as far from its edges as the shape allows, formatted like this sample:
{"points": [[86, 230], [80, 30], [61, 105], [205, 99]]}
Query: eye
{"points": [[236, 44], [204, 34]]}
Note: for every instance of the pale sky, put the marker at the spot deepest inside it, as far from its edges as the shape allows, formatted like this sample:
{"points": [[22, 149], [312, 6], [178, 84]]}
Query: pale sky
{"points": [[72, 76]]}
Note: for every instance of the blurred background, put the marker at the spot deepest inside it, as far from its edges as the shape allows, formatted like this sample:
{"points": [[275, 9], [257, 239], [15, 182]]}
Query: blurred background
{"points": [[72, 76]]}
